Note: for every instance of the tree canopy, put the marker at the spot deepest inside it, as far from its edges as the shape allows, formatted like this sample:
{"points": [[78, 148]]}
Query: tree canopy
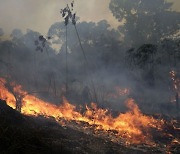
{"points": [[145, 21]]}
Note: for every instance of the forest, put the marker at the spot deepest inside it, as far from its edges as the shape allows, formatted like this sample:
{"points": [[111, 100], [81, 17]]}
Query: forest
{"points": [[83, 62]]}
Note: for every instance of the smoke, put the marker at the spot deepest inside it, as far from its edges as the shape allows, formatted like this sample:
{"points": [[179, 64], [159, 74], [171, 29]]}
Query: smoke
{"points": [[43, 72], [40, 15]]}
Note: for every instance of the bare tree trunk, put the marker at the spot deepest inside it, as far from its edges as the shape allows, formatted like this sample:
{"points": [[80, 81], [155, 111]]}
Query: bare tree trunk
{"points": [[18, 103]]}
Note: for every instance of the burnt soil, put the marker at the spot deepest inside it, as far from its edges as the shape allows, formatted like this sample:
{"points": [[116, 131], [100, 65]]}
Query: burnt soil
{"points": [[36, 135]]}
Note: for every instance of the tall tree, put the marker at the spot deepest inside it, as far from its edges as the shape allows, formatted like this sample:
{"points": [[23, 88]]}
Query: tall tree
{"points": [[145, 21]]}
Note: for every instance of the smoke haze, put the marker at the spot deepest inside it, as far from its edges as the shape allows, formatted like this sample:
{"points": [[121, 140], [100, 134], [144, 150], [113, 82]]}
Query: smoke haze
{"points": [[40, 15]]}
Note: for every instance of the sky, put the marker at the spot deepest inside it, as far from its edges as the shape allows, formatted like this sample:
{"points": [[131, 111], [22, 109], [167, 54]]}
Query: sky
{"points": [[39, 15]]}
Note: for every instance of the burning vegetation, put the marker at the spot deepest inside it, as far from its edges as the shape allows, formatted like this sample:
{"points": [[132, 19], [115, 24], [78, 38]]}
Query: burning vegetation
{"points": [[80, 91], [175, 88], [132, 127]]}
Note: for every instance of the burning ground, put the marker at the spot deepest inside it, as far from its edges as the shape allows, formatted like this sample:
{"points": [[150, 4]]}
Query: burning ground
{"points": [[86, 87], [131, 130]]}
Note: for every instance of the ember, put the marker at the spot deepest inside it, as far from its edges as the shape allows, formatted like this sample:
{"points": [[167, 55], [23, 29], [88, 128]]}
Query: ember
{"points": [[119, 92], [175, 81]]}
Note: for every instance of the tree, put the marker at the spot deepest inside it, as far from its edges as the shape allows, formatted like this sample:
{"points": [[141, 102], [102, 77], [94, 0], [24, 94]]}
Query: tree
{"points": [[16, 34], [101, 44], [171, 54], [145, 21], [144, 58]]}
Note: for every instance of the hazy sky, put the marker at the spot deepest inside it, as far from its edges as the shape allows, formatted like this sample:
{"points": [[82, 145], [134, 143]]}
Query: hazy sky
{"points": [[39, 15]]}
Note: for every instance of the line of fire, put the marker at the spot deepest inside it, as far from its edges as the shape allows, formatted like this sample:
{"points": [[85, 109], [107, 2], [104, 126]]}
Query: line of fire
{"points": [[92, 87]]}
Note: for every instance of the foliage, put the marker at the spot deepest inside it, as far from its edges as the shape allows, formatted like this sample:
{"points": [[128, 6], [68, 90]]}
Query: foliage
{"points": [[146, 22]]}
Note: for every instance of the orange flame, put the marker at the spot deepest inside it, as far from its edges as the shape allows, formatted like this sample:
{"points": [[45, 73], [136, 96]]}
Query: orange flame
{"points": [[132, 126], [119, 92], [175, 80]]}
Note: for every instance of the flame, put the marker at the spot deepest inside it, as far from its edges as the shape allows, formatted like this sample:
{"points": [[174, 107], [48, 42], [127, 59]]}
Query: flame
{"points": [[132, 126], [119, 92], [175, 80], [175, 86]]}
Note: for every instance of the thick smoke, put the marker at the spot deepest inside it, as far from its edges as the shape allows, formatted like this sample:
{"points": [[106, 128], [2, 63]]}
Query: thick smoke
{"points": [[123, 58]]}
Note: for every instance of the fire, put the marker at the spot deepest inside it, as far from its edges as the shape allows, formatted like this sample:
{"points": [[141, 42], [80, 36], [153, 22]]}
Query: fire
{"points": [[175, 87], [119, 92], [175, 80], [132, 126]]}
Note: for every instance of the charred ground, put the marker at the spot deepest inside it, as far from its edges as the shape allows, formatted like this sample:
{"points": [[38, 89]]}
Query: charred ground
{"points": [[89, 62], [24, 134]]}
